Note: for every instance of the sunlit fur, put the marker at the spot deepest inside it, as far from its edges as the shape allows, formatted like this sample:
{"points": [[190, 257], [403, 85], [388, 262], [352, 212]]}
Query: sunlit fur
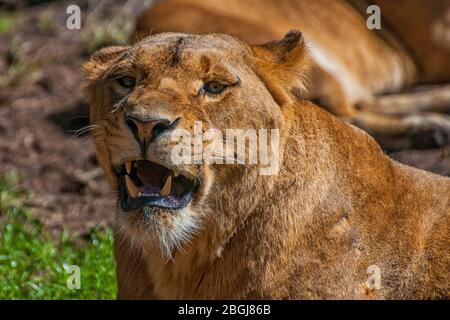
{"points": [[337, 206]]}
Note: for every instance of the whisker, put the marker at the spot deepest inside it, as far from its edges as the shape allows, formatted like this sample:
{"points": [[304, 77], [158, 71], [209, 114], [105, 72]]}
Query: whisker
{"points": [[84, 129]]}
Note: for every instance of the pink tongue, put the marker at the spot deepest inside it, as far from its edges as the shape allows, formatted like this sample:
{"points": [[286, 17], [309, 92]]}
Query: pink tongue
{"points": [[151, 176]]}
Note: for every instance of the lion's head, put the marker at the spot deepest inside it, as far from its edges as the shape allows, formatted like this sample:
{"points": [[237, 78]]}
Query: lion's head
{"points": [[172, 84]]}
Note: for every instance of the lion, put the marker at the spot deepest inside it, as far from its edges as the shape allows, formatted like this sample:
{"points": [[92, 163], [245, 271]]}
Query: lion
{"points": [[359, 74], [338, 219]]}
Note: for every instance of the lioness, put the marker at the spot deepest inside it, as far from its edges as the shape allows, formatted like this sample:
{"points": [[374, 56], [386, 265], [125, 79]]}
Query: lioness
{"points": [[352, 64], [339, 219]]}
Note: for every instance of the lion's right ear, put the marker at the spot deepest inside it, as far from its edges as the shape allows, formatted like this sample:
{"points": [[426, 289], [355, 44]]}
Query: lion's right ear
{"points": [[283, 66], [101, 60], [95, 69]]}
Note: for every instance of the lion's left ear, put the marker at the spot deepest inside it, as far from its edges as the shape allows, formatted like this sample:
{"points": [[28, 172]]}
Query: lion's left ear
{"points": [[283, 66]]}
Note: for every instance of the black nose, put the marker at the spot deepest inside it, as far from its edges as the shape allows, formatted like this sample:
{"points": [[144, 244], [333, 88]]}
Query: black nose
{"points": [[148, 130]]}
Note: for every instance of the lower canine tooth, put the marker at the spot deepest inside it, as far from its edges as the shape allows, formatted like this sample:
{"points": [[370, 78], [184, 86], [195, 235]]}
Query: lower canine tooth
{"points": [[133, 191], [165, 191], [128, 166]]}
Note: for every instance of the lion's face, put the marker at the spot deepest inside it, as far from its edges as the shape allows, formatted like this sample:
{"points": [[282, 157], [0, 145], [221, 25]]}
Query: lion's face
{"points": [[149, 100]]}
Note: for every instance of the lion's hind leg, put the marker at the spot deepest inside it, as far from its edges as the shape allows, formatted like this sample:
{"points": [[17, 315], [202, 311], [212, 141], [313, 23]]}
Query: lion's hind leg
{"points": [[419, 119], [425, 99], [414, 131]]}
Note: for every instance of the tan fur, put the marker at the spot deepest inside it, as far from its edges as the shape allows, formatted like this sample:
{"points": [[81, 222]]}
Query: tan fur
{"points": [[337, 206], [352, 64]]}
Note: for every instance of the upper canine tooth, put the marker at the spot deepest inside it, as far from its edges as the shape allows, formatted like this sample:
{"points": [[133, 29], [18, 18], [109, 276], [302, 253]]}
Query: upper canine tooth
{"points": [[133, 191], [128, 166], [165, 191], [175, 174]]}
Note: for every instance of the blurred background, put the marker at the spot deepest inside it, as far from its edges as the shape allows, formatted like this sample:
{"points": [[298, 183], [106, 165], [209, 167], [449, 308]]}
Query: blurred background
{"points": [[55, 207]]}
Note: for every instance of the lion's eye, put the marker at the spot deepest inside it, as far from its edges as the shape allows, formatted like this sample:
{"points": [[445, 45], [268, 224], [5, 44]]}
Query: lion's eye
{"points": [[214, 87], [126, 82]]}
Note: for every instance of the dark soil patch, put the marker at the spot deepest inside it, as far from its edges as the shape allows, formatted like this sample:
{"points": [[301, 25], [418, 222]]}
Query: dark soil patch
{"points": [[39, 119]]}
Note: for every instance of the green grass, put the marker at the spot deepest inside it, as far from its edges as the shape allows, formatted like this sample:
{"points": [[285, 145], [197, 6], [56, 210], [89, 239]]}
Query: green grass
{"points": [[7, 21], [32, 263]]}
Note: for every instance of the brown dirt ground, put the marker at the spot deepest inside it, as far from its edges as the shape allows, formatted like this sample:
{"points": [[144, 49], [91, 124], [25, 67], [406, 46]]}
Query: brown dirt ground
{"points": [[40, 112]]}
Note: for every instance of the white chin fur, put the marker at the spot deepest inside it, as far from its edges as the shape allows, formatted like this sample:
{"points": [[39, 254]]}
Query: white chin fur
{"points": [[154, 231]]}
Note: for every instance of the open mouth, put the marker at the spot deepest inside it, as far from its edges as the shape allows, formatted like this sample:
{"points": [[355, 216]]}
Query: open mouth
{"points": [[144, 183]]}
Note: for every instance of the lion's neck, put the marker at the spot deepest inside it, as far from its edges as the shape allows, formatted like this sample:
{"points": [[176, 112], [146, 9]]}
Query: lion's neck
{"points": [[258, 221], [208, 261]]}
